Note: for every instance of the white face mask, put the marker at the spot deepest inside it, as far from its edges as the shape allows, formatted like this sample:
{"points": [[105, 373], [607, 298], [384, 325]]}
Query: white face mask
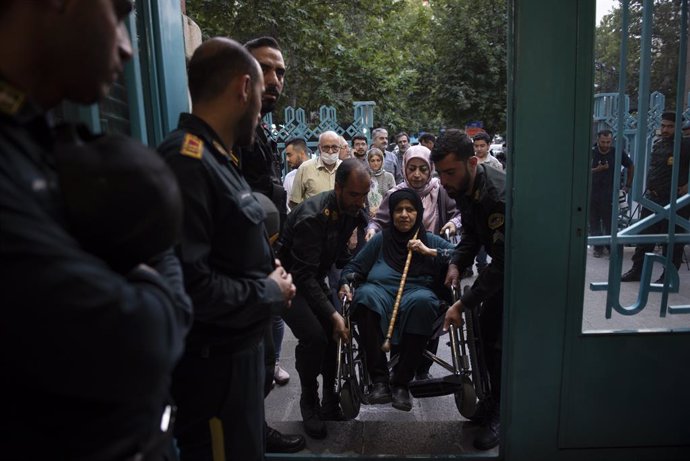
{"points": [[329, 159]]}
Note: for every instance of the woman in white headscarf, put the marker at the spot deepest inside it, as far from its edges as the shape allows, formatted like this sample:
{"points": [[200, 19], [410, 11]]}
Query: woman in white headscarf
{"points": [[439, 209]]}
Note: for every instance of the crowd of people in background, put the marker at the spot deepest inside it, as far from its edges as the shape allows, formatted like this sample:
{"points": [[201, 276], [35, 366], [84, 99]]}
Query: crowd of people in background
{"points": [[147, 292]]}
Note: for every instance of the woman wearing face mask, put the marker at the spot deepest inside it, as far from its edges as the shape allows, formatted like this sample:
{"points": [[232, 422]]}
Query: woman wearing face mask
{"points": [[318, 174], [440, 212]]}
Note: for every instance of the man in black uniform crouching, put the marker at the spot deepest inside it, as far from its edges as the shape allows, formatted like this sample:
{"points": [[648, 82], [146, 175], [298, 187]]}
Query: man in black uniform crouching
{"points": [[315, 237], [479, 192], [87, 350], [230, 272]]}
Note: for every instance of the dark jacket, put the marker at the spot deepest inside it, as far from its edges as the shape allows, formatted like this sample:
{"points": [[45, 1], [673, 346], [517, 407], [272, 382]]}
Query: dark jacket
{"points": [[86, 352], [660, 171], [224, 251], [483, 223], [314, 238], [261, 167]]}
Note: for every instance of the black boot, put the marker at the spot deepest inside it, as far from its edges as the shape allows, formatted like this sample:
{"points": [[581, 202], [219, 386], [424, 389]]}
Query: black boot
{"points": [[401, 398], [283, 443], [488, 435], [633, 275], [309, 406], [380, 393]]}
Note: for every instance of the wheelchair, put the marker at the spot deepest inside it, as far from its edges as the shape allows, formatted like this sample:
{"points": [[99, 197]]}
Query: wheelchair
{"points": [[468, 379]]}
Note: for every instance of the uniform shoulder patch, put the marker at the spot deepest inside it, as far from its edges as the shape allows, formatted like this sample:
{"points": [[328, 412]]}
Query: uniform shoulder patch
{"points": [[496, 220], [192, 146], [669, 161]]}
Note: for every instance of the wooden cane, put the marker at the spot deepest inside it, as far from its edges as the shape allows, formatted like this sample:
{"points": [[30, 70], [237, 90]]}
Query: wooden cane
{"points": [[386, 347]]}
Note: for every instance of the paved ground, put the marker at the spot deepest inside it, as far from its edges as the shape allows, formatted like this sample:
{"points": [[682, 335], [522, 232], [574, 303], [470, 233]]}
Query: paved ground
{"points": [[434, 426], [595, 301]]}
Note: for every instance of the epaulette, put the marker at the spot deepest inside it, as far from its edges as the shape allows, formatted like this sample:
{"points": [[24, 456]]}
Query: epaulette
{"points": [[11, 99], [192, 146], [231, 155]]}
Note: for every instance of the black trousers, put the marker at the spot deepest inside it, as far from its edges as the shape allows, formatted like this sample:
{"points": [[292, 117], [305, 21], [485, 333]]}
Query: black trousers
{"points": [[659, 228], [600, 216], [491, 324], [220, 402], [411, 348], [316, 351]]}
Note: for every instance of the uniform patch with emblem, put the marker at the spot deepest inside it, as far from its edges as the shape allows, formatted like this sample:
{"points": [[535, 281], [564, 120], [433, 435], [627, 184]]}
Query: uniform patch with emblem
{"points": [[11, 99], [496, 220], [669, 162], [192, 146], [327, 212]]}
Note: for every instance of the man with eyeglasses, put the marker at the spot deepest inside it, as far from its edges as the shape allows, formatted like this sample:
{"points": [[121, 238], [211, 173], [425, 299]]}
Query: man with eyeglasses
{"points": [[318, 174], [344, 152]]}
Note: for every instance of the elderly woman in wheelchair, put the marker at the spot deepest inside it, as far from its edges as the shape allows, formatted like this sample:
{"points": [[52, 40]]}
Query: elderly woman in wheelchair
{"points": [[403, 251]]}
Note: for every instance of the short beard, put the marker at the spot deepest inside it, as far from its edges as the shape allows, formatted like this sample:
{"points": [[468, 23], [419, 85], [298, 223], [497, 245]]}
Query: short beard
{"points": [[246, 127], [267, 107]]}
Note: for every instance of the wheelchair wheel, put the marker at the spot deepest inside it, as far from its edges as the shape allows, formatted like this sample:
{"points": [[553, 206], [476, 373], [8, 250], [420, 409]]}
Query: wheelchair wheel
{"points": [[350, 401], [466, 399]]}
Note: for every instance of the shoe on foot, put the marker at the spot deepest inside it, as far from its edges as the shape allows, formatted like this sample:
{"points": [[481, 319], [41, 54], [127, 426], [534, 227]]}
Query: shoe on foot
{"points": [[380, 393], [401, 398], [488, 435], [283, 443], [281, 376], [633, 275], [661, 278]]}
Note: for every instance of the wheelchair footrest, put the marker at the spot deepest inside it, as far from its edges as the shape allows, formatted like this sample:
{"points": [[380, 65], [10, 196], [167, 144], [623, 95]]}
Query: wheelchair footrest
{"points": [[436, 386]]}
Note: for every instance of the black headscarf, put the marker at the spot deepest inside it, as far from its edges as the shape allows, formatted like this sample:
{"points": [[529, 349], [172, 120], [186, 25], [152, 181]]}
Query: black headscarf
{"points": [[395, 242]]}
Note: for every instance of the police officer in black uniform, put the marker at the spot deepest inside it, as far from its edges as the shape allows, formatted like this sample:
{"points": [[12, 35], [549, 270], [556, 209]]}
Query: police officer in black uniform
{"points": [[230, 272], [479, 192], [314, 238], [659, 191], [87, 351], [261, 164], [261, 167]]}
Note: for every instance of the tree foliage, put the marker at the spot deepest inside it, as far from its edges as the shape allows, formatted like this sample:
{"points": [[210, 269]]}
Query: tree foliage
{"points": [[425, 66], [665, 46]]}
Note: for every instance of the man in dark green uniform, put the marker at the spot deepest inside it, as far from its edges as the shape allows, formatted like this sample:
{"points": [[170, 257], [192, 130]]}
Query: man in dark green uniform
{"points": [[87, 351], [314, 238], [230, 272], [479, 192]]}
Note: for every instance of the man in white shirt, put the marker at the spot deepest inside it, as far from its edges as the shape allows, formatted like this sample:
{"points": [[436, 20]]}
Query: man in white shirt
{"points": [[295, 154]]}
